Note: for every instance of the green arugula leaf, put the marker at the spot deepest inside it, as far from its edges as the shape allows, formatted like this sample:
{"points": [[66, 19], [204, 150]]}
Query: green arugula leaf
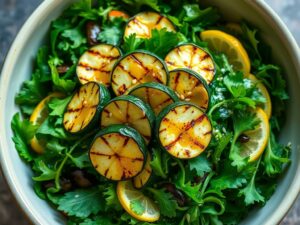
{"points": [[46, 172], [200, 164], [60, 84], [58, 106], [23, 133], [137, 206], [275, 156], [111, 198], [82, 202], [167, 203]]}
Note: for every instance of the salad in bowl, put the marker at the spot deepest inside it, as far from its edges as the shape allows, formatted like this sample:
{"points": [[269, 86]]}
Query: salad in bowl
{"points": [[152, 112]]}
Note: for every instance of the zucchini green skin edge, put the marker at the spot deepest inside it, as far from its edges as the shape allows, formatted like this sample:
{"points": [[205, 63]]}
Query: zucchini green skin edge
{"points": [[125, 131], [195, 74], [193, 44], [104, 97], [162, 115], [165, 67], [139, 103], [159, 87]]}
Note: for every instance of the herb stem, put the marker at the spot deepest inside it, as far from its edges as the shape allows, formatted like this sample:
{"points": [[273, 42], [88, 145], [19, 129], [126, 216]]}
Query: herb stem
{"points": [[67, 156]]}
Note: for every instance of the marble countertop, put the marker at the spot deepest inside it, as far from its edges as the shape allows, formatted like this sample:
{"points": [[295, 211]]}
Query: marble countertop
{"points": [[13, 13]]}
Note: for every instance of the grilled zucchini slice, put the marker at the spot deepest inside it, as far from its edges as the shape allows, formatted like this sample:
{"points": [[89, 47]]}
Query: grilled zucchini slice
{"points": [[140, 180], [96, 64], [136, 68], [131, 111], [118, 152], [143, 23], [82, 112], [189, 86], [183, 130], [156, 95], [192, 57]]}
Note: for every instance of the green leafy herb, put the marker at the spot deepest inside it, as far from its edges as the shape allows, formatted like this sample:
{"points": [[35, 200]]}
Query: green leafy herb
{"points": [[200, 164]]}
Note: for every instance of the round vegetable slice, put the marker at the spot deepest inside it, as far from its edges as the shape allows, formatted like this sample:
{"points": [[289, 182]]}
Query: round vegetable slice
{"points": [[140, 180], [184, 130], [266, 106], [96, 64], [220, 41], [190, 87], [131, 111], [136, 68], [82, 112], [38, 116], [254, 142], [143, 23], [192, 57], [118, 152], [129, 197], [156, 95]]}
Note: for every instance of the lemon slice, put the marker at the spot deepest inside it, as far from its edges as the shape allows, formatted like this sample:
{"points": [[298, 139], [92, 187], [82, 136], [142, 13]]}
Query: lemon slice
{"points": [[136, 203], [222, 42], [37, 117], [266, 106], [257, 139]]}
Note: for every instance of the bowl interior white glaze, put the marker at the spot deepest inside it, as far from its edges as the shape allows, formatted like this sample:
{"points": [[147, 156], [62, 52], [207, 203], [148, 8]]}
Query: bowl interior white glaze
{"points": [[18, 67]]}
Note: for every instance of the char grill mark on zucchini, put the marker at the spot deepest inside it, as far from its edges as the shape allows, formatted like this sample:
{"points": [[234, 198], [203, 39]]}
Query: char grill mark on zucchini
{"points": [[143, 23], [156, 95], [141, 179], [131, 111], [96, 64], [118, 153], [136, 68], [194, 58], [184, 130], [190, 87], [82, 111]]}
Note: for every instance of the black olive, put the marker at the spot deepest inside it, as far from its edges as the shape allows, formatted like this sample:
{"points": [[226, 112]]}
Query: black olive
{"points": [[80, 179], [92, 32], [178, 195], [48, 184], [243, 138], [62, 69]]}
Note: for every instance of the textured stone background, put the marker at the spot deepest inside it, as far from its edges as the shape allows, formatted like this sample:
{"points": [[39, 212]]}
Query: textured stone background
{"points": [[13, 13]]}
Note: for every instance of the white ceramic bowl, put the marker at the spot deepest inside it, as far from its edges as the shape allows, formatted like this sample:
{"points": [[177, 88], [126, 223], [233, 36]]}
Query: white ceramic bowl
{"points": [[18, 67]]}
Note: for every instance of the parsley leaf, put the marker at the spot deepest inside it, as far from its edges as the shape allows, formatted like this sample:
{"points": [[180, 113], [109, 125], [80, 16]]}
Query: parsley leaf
{"points": [[250, 36], [47, 173], [58, 106], [82, 203], [100, 220], [250, 192], [167, 204], [235, 84], [132, 43], [23, 133], [111, 198], [83, 9], [112, 33], [200, 164], [275, 156], [159, 162], [75, 35], [137, 4], [59, 83]]}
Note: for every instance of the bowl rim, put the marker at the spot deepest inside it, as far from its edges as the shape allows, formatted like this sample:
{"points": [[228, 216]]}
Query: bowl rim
{"points": [[15, 49]]}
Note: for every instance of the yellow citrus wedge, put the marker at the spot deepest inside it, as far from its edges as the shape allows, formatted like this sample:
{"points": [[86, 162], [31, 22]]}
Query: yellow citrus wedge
{"points": [[136, 203], [266, 106], [257, 139], [222, 42], [37, 117]]}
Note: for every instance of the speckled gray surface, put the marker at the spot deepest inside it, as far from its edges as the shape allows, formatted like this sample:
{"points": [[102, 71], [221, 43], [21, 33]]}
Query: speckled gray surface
{"points": [[13, 13]]}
